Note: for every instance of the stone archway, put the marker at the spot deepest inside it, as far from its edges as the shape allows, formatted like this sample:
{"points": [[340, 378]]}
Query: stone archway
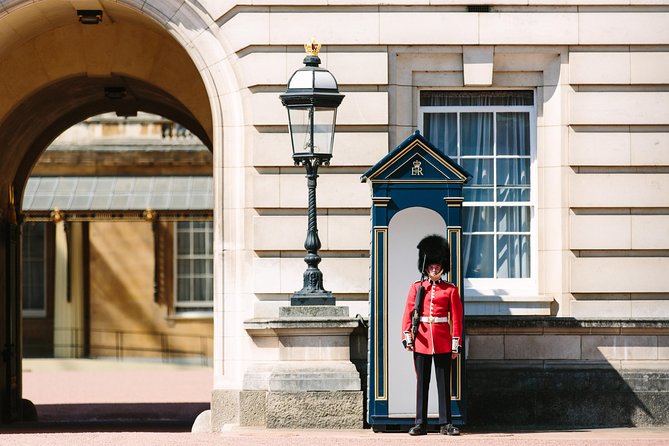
{"points": [[54, 72]]}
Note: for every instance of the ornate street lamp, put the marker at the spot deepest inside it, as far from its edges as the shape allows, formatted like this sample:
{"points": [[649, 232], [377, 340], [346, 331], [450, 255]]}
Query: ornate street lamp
{"points": [[312, 99]]}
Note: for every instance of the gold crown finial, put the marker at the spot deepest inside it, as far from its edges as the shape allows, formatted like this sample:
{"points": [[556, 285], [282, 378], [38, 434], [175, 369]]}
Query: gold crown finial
{"points": [[312, 48]]}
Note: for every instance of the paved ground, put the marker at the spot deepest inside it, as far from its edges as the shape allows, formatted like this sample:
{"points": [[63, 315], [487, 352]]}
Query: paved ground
{"points": [[607, 437], [100, 403]]}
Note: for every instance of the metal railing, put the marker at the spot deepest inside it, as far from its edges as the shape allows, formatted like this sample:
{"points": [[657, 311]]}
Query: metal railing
{"points": [[125, 344]]}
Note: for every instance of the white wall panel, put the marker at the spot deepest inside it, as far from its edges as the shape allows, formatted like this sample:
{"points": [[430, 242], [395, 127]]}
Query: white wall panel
{"points": [[340, 275], [602, 147], [619, 108], [629, 28], [600, 232], [334, 191], [357, 108], [619, 232], [599, 68], [350, 149], [429, 27], [599, 148], [620, 275], [275, 67], [650, 68], [343, 28], [521, 27], [290, 191], [650, 232], [619, 190], [650, 148], [247, 28], [287, 233]]}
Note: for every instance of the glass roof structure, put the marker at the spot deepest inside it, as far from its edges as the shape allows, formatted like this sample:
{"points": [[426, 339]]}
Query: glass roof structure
{"points": [[119, 193]]}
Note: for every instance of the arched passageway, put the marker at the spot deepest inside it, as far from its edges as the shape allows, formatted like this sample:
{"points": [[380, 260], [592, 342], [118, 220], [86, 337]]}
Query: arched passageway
{"points": [[56, 71]]}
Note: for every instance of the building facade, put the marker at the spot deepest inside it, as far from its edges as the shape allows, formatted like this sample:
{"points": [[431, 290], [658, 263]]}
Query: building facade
{"points": [[117, 243], [559, 110]]}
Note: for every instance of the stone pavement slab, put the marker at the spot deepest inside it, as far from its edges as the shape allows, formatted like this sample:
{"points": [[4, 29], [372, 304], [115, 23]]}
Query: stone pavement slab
{"points": [[106, 402], [265, 437]]}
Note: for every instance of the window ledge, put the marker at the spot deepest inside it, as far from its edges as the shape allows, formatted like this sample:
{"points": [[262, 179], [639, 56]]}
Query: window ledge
{"points": [[191, 316]]}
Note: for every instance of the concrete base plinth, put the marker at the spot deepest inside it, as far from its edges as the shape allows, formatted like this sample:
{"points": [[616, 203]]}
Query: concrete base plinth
{"points": [[314, 384], [284, 410], [309, 410]]}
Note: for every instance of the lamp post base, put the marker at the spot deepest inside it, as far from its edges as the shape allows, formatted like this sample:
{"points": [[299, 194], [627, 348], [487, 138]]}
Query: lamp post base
{"points": [[312, 297], [312, 292]]}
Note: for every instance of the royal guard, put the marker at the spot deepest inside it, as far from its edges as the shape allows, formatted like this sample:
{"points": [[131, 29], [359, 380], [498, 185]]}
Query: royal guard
{"points": [[432, 330]]}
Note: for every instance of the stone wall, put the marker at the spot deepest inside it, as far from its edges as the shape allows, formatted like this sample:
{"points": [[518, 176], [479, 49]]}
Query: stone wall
{"points": [[565, 372]]}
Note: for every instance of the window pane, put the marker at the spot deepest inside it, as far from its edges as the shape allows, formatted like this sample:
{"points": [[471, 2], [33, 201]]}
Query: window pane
{"points": [[479, 256], [478, 219], [513, 256], [183, 267], [513, 171], [183, 290], [200, 267], [478, 193], [183, 243], [513, 194], [199, 292], [476, 136], [199, 243], [441, 130], [513, 219], [481, 170], [513, 134], [481, 188], [209, 290]]}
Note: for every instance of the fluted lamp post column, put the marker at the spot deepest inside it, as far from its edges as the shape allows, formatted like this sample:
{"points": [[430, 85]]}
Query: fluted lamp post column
{"points": [[312, 98]]}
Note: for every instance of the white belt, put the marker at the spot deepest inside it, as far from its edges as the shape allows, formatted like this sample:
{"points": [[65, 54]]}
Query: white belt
{"points": [[432, 319]]}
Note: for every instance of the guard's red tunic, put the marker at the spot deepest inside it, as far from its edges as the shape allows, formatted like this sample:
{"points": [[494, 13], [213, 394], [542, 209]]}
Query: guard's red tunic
{"points": [[441, 300]]}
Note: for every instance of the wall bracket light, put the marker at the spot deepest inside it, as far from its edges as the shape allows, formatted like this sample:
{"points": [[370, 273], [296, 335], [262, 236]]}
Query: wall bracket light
{"points": [[89, 16]]}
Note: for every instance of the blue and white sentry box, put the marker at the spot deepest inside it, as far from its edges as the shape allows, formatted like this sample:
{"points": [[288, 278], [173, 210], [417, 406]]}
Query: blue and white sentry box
{"points": [[416, 191]]}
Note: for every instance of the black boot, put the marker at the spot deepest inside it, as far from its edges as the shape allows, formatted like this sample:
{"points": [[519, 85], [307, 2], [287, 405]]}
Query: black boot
{"points": [[419, 429], [449, 429]]}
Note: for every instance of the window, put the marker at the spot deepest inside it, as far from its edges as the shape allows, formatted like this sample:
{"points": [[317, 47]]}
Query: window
{"points": [[194, 277], [33, 254], [491, 135]]}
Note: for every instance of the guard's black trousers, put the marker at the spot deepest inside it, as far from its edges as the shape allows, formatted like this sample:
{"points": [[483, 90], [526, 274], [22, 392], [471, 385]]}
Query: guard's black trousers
{"points": [[442, 368]]}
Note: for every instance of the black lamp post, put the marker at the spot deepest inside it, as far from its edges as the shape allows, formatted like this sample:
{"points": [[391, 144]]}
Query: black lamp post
{"points": [[312, 98]]}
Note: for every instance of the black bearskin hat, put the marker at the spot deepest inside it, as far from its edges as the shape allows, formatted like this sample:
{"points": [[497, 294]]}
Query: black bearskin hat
{"points": [[434, 249]]}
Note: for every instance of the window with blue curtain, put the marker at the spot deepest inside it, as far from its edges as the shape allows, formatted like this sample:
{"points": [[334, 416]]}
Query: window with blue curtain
{"points": [[491, 135]]}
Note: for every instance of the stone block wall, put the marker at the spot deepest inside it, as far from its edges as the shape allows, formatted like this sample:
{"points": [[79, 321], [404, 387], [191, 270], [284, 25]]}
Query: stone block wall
{"points": [[565, 372]]}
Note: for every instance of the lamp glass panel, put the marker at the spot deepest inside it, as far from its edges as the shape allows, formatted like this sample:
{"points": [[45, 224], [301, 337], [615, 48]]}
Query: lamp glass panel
{"points": [[307, 121], [301, 79], [325, 80]]}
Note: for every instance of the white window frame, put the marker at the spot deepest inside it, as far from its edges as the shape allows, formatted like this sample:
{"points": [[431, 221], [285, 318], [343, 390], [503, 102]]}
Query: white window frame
{"points": [[506, 286], [34, 313], [191, 307]]}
